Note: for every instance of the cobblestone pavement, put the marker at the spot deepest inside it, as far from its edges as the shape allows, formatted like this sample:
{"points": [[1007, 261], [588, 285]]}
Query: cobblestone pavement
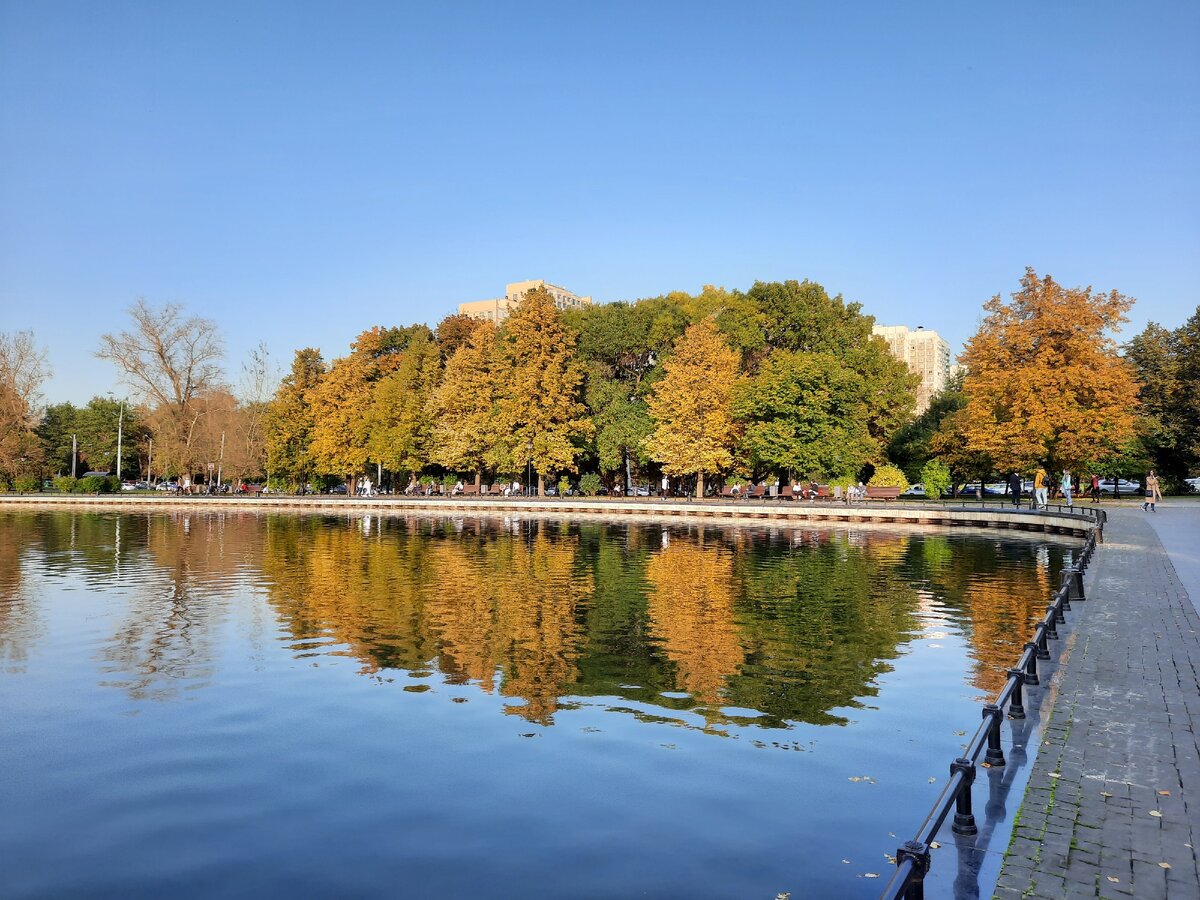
{"points": [[1113, 803]]}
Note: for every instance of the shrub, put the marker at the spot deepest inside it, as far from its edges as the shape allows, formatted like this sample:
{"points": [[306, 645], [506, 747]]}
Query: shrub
{"points": [[589, 484], [65, 483], [4, 485], [843, 481], [93, 484], [888, 476], [564, 485], [27, 484], [936, 478]]}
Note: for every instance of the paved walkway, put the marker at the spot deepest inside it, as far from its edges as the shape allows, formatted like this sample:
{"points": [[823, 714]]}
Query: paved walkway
{"points": [[1113, 803]]}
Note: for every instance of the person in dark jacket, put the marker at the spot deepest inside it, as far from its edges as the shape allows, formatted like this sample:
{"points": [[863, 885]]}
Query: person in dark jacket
{"points": [[1014, 487]]}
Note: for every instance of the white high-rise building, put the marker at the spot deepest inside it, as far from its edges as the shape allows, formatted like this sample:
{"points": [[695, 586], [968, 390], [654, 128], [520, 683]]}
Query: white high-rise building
{"points": [[498, 310], [925, 352]]}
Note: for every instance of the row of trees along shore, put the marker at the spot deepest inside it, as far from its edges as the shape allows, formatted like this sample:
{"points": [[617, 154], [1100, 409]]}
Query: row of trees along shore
{"points": [[779, 381]]}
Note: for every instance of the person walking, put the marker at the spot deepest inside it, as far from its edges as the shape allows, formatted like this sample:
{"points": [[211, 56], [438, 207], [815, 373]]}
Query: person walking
{"points": [[1065, 485], [1152, 491], [1040, 488], [1095, 488], [1014, 487]]}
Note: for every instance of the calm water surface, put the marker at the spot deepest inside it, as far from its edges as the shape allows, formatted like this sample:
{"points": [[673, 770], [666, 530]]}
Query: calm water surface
{"points": [[235, 704]]}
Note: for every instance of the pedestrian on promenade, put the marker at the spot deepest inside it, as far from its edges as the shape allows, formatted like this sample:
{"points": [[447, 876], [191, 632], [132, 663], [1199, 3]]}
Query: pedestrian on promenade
{"points": [[1095, 488], [1065, 485], [1152, 491], [1014, 487], [1040, 488]]}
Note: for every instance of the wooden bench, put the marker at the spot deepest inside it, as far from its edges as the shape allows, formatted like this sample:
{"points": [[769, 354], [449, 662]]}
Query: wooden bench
{"points": [[882, 493], [470, 490], [730, 492]]}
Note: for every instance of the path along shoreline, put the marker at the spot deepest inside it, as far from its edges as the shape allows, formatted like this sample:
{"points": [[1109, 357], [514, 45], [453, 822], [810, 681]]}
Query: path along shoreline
{"points": [[1112, 807]]}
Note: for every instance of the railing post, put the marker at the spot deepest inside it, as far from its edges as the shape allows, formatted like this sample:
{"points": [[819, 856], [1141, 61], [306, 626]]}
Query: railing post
{"points": [[1061, 604], [1031, 675], [1016, 705], [964, 818], [918, 852], [1051, 618], [994, 756], [1075, 589], [1043, 651]]}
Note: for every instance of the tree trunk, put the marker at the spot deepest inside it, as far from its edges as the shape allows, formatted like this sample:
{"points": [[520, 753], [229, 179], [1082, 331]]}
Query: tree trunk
{"points": [[541, 485], [478, 479], [699, 485]]}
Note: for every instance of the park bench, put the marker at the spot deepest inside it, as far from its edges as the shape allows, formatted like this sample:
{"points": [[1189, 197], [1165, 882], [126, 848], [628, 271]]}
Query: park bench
{"points": [[470, 490], [757, 492], [882, 493], [731, 492]]}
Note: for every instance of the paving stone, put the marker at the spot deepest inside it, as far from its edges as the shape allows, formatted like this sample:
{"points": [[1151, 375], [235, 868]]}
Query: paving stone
{"points": [[1124, 727]]}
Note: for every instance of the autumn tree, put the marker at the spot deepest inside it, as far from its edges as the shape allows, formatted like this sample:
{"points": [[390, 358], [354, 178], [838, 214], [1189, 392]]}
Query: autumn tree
{"points": [[454, 331], [1045, 384], [692, 406], [169, 360], [806, 413], [541, 410], [288, 419], [341, 401], [911, 447], [22, 370], [466, 430], [402, 413]]}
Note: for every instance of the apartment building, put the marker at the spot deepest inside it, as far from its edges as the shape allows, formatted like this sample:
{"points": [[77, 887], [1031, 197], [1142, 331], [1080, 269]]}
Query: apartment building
{"points": [[925, 352], [498, 309]]}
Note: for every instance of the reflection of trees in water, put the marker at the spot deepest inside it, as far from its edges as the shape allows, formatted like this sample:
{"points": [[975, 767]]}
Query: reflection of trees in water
{"points": [[994, 590], [19, 625], [181, 589], [820, 621], [793, 622], [691, 603]]}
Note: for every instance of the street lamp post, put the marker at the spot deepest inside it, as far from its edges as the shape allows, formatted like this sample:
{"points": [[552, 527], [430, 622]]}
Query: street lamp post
{"points": [[529, 468], [120, 426]]}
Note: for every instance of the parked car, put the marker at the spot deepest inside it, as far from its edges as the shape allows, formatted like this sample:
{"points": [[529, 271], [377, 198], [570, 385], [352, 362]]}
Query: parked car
{"points": [[1109, 486], [1193, 483], [336, 489], [135, 485], [914, 490], [171, 486]]}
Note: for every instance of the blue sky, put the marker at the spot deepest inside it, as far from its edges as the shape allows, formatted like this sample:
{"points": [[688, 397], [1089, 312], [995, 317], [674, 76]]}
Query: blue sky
{"points": [[301, 171]]}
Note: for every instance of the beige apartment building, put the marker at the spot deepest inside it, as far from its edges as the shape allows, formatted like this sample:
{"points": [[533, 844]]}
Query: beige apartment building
{"points": [[497, 310], [925, 352]]}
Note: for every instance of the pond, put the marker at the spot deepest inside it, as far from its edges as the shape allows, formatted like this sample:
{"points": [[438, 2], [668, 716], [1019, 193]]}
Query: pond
{"points": [[225, 704]]}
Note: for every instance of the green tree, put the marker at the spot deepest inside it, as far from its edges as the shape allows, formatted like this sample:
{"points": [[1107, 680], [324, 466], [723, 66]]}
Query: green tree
{"points": [[692, 406], [1167, 364], [805, 413], [935, 475], [541, 408], [912, 444]]}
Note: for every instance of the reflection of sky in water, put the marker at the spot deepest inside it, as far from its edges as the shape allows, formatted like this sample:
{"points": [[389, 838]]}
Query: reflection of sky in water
{"points": [[714, 695]]}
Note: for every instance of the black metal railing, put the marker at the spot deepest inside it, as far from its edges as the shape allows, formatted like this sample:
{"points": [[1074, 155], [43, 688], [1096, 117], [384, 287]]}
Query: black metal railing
{"points": [[1087, 510], [913, 857]]}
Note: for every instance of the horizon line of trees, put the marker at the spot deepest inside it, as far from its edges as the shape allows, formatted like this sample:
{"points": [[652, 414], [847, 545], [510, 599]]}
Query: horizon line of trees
{"points": [[782, 380]]}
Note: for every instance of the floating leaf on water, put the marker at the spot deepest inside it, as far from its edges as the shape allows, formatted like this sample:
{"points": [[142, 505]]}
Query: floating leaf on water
{"points": [[870, 874], [932, 779], [893, 834], [855, 778], [890, 858], [846, 861]]}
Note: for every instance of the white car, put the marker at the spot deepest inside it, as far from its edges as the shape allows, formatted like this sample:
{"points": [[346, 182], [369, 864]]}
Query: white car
{"points": [[135, 485], [914, 490], [1194, 484]]}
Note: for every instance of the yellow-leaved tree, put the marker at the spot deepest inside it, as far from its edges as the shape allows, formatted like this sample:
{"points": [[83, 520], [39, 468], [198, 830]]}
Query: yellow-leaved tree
{"points": [[692, 406], [1044, 383], [465, 431], [402, 408], [542, 410]]}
